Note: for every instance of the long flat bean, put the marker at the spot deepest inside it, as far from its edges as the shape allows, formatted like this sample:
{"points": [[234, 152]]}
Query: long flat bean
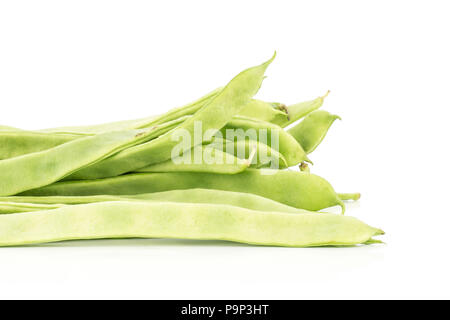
{"points": [[20, 142], [238, 199], [296, 189], [17, 143], [126, 219]]}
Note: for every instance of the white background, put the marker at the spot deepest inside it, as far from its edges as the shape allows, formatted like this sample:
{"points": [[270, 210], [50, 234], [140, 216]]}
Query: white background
{"points": [[386, 64]]}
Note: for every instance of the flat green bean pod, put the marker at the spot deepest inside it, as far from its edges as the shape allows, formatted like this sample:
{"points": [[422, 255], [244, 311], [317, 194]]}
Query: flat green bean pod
{"points": [[311, 131], [201, 159], [299, 110], [256, 109], [238, 199], [296, 189], [20, 142], [17, 143], [291, 150], [132, 219], [43, 168], [265, 156], [212, 117], [264, 111]]}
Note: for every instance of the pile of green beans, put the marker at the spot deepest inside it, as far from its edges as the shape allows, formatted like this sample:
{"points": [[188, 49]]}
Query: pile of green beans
{"points": [[134, 179]]}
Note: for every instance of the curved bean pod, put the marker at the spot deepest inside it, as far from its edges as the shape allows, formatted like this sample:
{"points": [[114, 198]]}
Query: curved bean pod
{"points": [[264, 111], [313, 129], [17, 143], [296, 189], [43, 168], [291, 150], [299, 110], [265, 156], [126, 219], [238, 199], [212, 116], [20, 142], [209, 160]]}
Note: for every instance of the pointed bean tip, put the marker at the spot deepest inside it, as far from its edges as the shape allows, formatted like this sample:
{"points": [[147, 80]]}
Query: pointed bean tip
{"points": [[373, 241], [274, 54], [308, 160], [271, 59]]}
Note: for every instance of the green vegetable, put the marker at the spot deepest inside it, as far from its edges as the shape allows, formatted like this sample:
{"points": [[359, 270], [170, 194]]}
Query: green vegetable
{"points": [[16, 143], [238, 199], [297, 111], [291, 150], [265, 111], [13, 207], [43, 168], [213, 116], [297, 189], [126, 219], [242, 148], [349, 196], [200, 171], [209, 160], [313, 129], [19, 142]]}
